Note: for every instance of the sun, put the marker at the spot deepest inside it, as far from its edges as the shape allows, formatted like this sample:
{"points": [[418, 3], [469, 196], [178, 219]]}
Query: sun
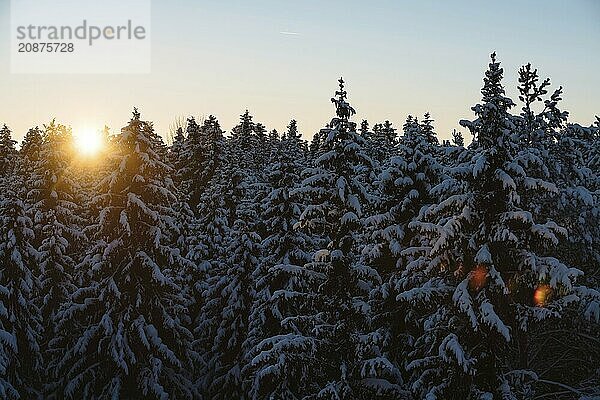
{"points": [[88, 141]]}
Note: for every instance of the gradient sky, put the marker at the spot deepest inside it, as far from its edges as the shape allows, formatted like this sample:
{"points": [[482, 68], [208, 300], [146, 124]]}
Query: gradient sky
{"points": [[398, 57]]}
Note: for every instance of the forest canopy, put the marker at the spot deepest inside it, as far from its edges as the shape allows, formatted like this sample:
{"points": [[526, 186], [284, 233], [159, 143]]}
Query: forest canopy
{"points": [[372, 262]]}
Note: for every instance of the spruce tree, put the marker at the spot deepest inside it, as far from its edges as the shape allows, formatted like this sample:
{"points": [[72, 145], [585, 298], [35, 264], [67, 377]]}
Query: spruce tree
{"points": [[201, 155], [31, 146], [278, 356], [381, 143], [228, 301], [124, 333], [547, 135], [242, 141], [404, 188], [457, 138], [261, 148], [21, 362], [484, 280], [176, 150], [7, 150], [346, 359], [55, 214]]}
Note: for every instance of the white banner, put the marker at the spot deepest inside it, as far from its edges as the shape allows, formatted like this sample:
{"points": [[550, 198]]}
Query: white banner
{"points": [[80, 36]]}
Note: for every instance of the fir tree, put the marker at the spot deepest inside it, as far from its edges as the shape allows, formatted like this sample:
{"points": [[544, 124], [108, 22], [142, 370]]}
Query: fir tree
{"points": [[124, 332], [484, 280], [346, 360], [404, 188], [278, 356], [427, 130], [364, 130], [31, 145], [381, 142], [176, 151], [20, 319], [317, 144], [55, 214], [242, 141], [457, 138], [7, 150], [201, 155], [547, 135], [261, 147], [228, 299]]}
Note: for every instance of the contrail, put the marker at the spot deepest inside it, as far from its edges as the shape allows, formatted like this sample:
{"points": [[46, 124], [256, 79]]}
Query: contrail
{"points": [[289, 33]]}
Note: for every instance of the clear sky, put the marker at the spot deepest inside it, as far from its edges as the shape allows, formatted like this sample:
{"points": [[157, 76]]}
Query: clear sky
{"points": [[398, 57]]}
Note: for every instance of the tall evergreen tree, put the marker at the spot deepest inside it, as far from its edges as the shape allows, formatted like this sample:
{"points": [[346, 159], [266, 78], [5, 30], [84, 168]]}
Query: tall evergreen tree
{"points": [[55, 214], [20, 319], [277, 355], [176, 155], [404, 188], [484, 280], [347, 363], [381, 142], [124, 333], [201, 155], [547, 135], [457, 138], [7, 150], [228, 298], [242, 141], [31, 146]]}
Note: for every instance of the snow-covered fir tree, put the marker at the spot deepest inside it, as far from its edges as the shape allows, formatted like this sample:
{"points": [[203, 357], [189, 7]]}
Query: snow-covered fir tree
{"points": [[547, 135], [261, 147], [31, 145], [278, 355], [457, 138], [485, 278], [200, 156], [381, 142], [125, 331], [176, 149], [346, 361], [404, 188], [242, 142], [227, 303], [216, 214], [21, 363], [8, 150], [55, 214]]}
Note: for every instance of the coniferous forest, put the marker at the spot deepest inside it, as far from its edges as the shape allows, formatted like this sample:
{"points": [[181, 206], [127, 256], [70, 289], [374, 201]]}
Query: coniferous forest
{"points": [[372, 262]]}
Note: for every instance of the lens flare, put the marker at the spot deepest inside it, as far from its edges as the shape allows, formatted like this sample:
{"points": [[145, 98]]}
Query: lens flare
{"points": [[478, 277], [542, 295]]}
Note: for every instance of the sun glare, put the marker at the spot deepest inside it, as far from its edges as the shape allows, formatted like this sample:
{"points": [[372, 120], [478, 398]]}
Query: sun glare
{"points": [[88, 141]]}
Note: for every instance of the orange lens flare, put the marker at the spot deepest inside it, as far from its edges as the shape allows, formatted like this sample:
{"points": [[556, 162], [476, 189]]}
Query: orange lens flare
{"points": [[478, 277], [542, 295]]}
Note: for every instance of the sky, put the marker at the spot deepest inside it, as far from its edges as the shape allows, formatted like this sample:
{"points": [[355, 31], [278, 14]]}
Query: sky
{"points": [[281, 60]]}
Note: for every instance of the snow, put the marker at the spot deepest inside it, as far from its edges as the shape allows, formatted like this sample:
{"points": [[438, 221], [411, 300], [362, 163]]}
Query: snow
{"points": [[479, 166], [451, 350], [489, 317], [484, 256], [254, 265]]}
